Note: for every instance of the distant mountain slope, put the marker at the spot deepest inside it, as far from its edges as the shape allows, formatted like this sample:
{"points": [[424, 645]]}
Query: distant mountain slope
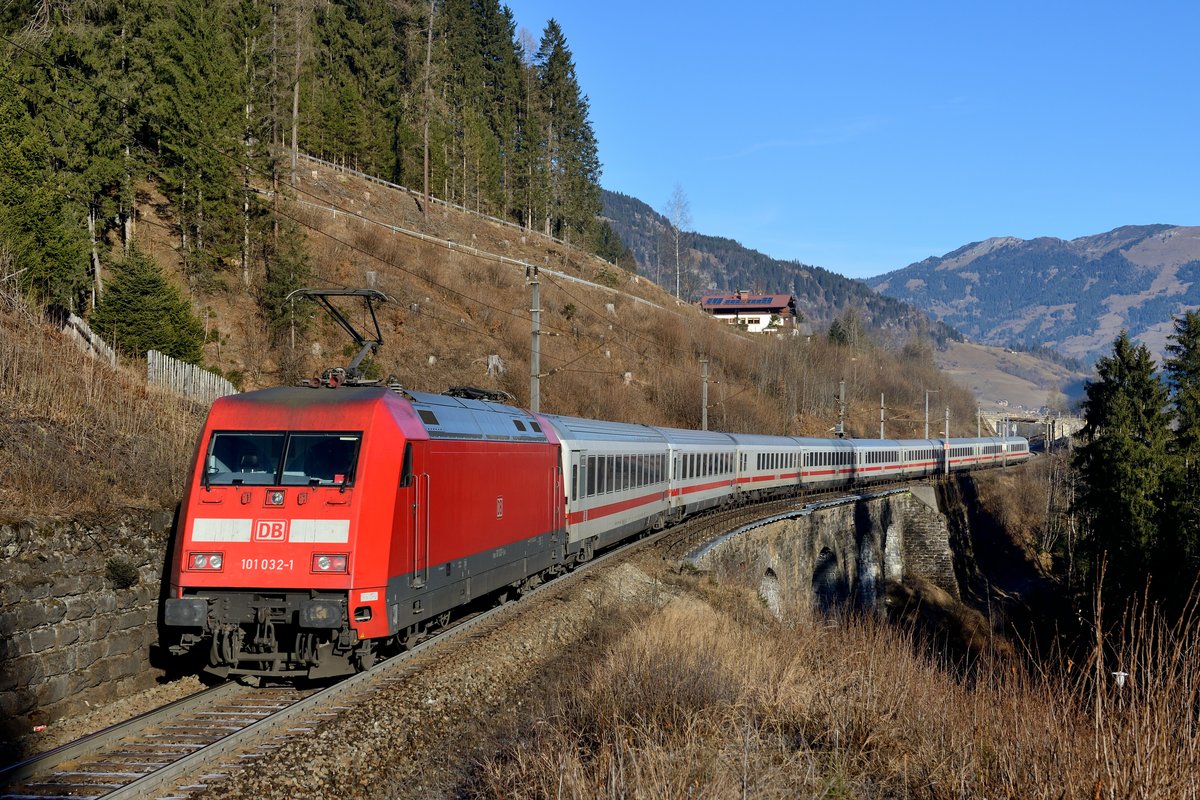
{"points": [[714, 263], [1073, 296]]}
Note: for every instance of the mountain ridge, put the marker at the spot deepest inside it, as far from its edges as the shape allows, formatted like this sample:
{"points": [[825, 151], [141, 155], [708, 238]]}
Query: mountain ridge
{"points": [[1071, 295]]}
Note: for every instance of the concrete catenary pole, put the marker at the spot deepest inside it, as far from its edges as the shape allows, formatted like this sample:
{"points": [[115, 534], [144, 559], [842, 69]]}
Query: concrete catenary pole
{"points": [[535, 349], [704, 395]]}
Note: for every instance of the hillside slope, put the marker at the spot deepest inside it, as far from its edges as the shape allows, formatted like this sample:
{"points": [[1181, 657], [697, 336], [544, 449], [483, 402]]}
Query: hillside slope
{"points": [[713, 263], [1003, 379], [1073, 296]]}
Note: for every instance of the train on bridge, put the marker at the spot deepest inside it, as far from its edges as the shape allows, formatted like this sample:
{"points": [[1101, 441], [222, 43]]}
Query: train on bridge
{"points": [[322, 525]]}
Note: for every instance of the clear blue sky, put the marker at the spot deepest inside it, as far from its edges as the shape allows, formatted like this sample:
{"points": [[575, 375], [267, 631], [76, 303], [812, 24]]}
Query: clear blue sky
{"points": [[864, 136]]}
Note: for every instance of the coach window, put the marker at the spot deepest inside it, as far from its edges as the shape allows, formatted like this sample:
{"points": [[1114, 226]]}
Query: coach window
{"points": [[591, 476], [574, 482]]}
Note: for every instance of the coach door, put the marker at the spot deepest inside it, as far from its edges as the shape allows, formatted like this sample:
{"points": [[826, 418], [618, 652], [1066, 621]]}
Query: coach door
{"points": [[558, 498]]}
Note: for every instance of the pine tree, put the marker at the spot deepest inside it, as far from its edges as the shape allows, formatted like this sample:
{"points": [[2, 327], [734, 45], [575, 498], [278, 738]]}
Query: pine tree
{"points": [[1122, 465], [142, 311], [288, 270], [37, 227], [1182, 550], [571, 157], [196, 109]]}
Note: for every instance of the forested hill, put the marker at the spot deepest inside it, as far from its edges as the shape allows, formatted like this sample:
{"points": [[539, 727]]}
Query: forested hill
{"points": [[1071, 296], [715, 263], [195, 106]]}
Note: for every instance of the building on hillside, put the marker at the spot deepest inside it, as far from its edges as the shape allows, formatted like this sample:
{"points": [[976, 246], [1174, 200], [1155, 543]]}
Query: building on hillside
{"points": [[759, 313]]}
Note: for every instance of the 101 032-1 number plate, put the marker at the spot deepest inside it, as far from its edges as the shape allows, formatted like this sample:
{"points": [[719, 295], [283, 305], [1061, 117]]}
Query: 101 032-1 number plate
{"points": [[269, 564]]}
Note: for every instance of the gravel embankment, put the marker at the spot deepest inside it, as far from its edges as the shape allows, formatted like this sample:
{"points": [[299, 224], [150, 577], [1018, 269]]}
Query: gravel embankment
{"points": [[417, 738], [65, 731]]}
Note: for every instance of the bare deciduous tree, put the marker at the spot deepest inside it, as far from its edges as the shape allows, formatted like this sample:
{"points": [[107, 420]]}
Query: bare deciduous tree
{"points": [[679, 214]]}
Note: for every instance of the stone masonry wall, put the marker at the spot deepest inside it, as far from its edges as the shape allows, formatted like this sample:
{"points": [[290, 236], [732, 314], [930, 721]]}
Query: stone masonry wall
{"points": [[844, 554], [70, 635]]}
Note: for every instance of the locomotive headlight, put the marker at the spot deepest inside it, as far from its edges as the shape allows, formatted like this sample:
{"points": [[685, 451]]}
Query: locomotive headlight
{"points": [[206, 561], [275, 497], [329, 563]]}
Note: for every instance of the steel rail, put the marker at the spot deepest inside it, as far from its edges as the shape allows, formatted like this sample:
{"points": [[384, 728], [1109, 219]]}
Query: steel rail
{"points": [[95, 742]]}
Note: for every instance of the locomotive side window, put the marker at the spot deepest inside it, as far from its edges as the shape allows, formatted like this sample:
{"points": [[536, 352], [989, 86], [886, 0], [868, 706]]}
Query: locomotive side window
{"points": [[406, 469]]}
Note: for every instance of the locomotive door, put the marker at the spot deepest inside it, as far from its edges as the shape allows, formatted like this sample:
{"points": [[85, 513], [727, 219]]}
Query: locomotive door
{"points": [[419, 523]]}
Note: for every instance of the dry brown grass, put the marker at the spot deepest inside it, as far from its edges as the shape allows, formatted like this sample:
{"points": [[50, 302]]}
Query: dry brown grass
{"points": [[78, 436], [697, 700]]}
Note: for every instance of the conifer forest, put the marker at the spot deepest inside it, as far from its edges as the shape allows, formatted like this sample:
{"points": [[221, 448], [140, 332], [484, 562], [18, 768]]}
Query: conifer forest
{"points": [[210, 101]]}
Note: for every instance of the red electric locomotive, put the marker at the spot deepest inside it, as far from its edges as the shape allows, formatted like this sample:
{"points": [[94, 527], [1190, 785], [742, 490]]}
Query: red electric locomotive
{"points": [[319, 523]]}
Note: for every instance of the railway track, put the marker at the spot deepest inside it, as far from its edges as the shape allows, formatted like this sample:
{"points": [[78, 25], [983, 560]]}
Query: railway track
{"points": [[184, 746]]}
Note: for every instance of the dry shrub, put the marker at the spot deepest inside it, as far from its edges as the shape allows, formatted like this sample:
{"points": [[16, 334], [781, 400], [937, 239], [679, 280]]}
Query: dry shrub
{"points": [[80, 436], [687, 702]]}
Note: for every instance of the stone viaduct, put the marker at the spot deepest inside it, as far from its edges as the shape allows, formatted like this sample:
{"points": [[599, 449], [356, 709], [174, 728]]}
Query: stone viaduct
{"points": [[839, 552]]}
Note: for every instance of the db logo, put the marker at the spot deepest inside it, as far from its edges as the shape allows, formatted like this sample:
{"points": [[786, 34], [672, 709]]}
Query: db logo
{"points": [[270, 530]]}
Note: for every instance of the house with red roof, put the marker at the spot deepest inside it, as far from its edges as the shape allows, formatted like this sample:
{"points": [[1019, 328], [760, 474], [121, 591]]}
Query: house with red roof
{"points": [[758, 313]]}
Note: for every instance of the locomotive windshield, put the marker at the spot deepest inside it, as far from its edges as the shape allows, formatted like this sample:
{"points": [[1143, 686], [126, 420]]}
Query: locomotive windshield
{"points": [[282, 459]]}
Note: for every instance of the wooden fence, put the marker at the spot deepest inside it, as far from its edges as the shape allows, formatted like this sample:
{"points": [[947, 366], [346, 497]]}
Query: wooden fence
{"points": [[185, 379]]}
